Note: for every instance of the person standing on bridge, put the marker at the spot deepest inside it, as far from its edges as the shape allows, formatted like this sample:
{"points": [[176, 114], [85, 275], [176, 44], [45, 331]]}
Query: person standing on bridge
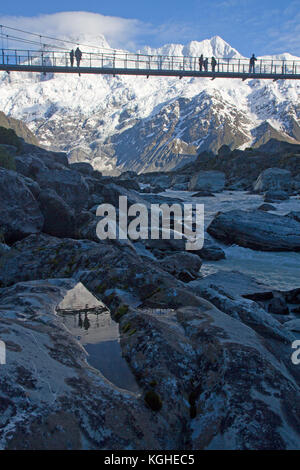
{"points": [[213, 64], [205, 64], [252, 64], [78, 55], [201, 60], [72, 57]]}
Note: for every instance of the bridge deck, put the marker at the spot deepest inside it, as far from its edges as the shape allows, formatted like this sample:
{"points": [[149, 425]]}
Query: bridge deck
{"points": [[146, 72], [119, 63]]}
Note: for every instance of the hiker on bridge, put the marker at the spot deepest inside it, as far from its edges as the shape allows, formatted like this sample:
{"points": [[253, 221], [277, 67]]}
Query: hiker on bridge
{"points": [[72, 57], [78, 55], [201, 60], [253, 59], [205, 65], [213, 64]]}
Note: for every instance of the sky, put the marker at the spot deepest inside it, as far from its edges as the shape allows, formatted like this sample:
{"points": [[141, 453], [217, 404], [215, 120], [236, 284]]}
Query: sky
{"points": [[260, 26]]}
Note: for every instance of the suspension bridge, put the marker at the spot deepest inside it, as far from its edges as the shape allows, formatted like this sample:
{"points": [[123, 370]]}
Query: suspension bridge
{"points": [[122, 63]]}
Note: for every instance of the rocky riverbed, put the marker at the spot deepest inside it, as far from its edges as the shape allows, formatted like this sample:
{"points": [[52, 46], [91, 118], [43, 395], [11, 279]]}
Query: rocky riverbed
{"points": [[208, 341]]}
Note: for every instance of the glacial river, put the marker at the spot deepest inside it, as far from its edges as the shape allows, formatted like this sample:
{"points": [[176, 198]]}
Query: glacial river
{"points": [[279, 270]]}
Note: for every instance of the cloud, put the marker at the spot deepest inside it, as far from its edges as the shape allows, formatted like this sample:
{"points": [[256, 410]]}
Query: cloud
{"points": [[85, 28], [119, 32]]}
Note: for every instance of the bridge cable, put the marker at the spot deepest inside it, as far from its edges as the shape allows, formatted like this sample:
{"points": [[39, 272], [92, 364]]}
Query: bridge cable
{"points": [[62, 40]]}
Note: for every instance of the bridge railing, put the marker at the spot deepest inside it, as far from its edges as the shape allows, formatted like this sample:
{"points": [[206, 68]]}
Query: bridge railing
{"points": [[120, 60]]}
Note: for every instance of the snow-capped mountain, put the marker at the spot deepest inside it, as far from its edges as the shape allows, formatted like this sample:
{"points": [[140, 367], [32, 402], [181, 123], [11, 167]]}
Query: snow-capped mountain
{"points": [[151, 124]]}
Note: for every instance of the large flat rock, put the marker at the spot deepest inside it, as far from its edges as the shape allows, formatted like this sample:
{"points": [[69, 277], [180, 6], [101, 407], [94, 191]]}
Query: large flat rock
{"points": [[257, 230], [49, 397], [236, 284]]}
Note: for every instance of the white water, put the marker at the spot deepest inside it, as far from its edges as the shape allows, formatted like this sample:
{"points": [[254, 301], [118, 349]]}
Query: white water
{"points": [[279, 270]]}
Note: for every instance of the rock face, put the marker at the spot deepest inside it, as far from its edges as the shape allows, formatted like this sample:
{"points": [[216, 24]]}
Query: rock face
{"points": [[273, 179], [19, 212], [203, 349], [257, 230], [19, 127], [208, 181]]}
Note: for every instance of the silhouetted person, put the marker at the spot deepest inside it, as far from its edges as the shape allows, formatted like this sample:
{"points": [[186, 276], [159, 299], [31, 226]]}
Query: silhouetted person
{"points": [[79, 320], [201, 60], [205, 65], [86, 322], [253, 59], [213, 64], [78, 55], [72, 57]]}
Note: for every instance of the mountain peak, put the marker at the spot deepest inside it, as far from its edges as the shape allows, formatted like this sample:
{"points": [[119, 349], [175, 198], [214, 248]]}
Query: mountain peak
{"points": [[215, 46]]}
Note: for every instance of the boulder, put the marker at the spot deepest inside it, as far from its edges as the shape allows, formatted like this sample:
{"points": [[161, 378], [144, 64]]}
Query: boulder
{"points": [[20, 214], [128, 175], [293, 325], [213, 181], [29, 165], [257, 230], [235, 284], [275, 196], [59, 219], [275, 179], [247, 311], [211, 251], [129, 184], [278, 305], [266, 207], [68, 184], [185, 266], [82, 167], [43, 256], [32, 185]]}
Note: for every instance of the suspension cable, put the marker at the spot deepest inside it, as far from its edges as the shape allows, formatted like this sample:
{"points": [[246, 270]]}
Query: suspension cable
{"points": [[59, 40]]}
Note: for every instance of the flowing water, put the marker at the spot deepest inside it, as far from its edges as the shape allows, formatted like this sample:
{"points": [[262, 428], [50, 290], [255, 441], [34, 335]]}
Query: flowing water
{"points": [[279, 270]]}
